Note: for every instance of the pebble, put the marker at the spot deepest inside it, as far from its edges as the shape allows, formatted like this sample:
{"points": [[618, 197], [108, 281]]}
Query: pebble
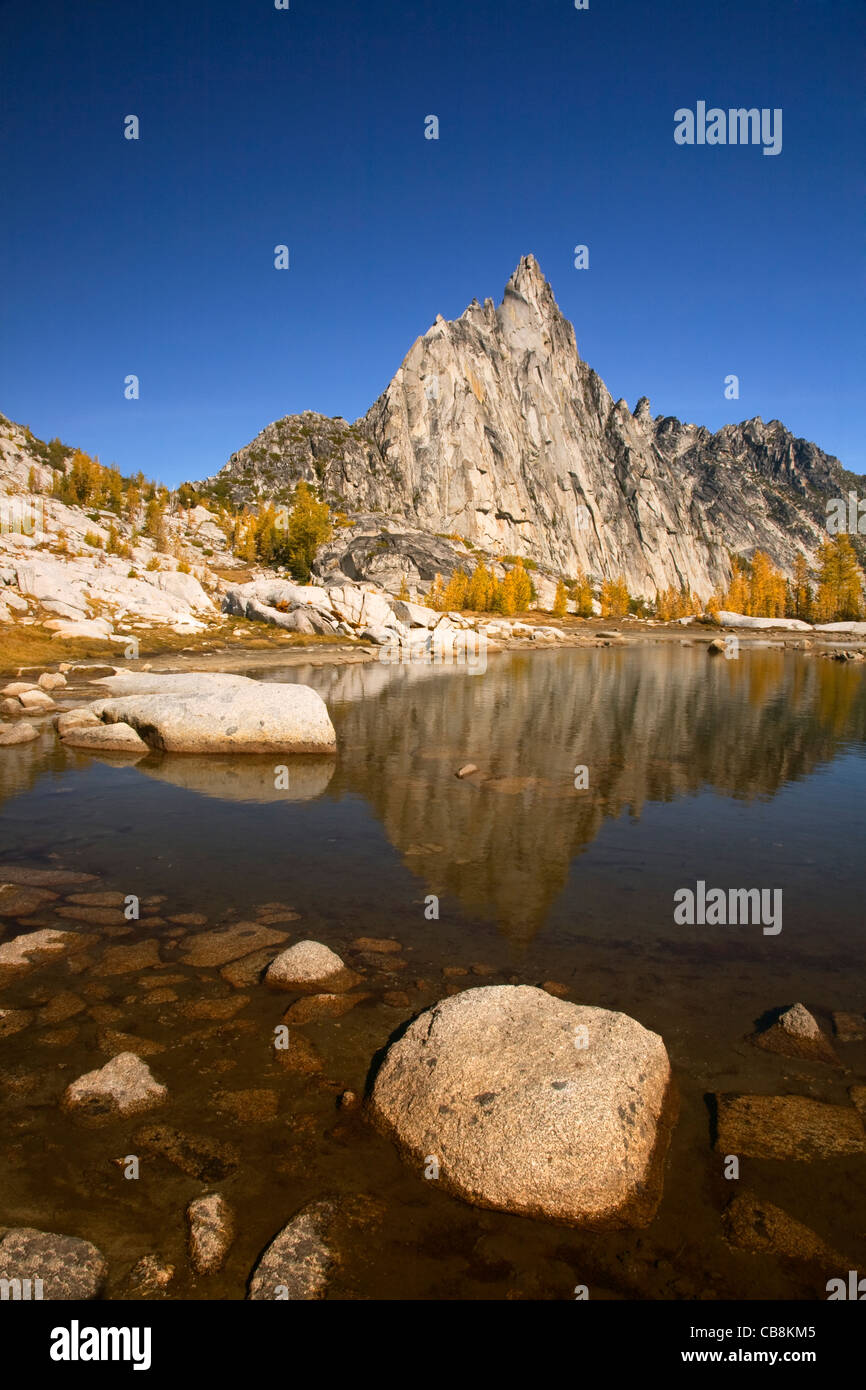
{"points": [[149, 1276], [211, 1232]]}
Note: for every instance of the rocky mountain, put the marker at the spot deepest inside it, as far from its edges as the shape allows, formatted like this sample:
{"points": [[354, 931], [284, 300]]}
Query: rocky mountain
{"points": [[495, 432]]}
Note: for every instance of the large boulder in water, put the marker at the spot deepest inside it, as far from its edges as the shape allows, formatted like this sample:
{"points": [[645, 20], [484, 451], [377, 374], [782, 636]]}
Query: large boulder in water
{"points": [[205, 713], [532, 1105]]}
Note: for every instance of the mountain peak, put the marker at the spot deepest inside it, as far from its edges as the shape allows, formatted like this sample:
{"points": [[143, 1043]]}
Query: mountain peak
{"points": [[527, 273], [529, 284], [529, 315]]}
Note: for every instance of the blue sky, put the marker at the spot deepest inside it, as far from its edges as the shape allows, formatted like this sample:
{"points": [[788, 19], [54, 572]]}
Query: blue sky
{"points": [[306, 127]]}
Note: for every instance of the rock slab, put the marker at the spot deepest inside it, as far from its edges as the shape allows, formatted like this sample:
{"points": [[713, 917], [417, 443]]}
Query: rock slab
{"points": [[203, 713]]}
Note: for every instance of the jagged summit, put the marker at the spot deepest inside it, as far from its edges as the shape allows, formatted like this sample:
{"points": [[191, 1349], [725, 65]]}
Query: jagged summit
{"points": [[495, 430]]}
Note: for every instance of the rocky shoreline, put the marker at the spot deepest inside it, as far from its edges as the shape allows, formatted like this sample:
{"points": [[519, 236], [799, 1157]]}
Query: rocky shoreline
{"points": [[182, 1041]]}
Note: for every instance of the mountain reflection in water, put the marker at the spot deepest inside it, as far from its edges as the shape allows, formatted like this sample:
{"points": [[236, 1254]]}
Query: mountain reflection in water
{"points": [[652, 724]]}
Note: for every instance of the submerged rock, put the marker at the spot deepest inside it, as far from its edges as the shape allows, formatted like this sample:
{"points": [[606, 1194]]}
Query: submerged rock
{"points": [[197, 1155], [298, 1262], [379, 945], [220, 947], [22, 953], [796, 1033], [68, 1267], [110, 1041], [749, 1223], [531, 1105], [124, 960], [149, 1276], [318, 1006], [849, 1027], [18, 901], [299, 1056], [787, 1127], [124, 1086], [858, 1098], [43, 878], [248, 970], [13, 1021]]}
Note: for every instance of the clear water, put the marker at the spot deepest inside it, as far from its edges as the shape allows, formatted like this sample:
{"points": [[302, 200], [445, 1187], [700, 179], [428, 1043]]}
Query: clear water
{"points": [[746, 773]]}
